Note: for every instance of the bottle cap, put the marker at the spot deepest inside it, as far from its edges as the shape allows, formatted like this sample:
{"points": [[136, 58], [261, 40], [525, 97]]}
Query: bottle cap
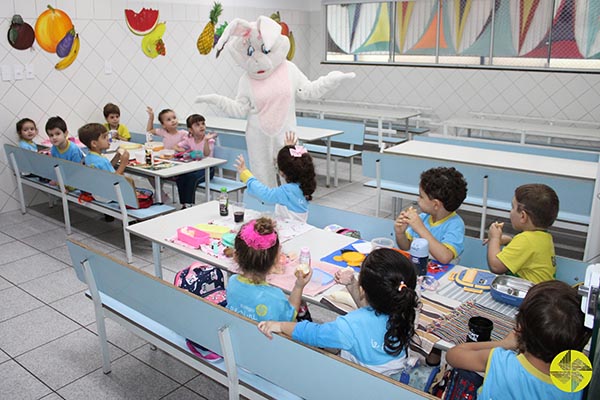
{"points": [[305, 249], [223, 190], [419, 247]]}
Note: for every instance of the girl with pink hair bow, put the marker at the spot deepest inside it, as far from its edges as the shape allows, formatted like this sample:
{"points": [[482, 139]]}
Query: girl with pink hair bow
{"points": [[297, 169]]}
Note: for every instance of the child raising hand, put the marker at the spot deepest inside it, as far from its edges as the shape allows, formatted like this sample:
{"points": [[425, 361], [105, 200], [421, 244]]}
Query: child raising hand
{"points": [[376, 335], [297, 169]]}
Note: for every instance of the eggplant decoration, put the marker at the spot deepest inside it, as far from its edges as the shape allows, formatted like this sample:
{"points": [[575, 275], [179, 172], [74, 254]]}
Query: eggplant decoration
{"points": [[20, 34], [64, 46]]}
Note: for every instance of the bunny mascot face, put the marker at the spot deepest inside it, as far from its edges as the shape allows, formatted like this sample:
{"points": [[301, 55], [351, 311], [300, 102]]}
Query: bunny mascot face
{"points": [[267, 91]]}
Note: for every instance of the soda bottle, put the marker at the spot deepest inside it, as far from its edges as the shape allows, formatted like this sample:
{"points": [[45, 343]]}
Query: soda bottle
{"points": [[224, 202], [419, 255], [304, 260]]}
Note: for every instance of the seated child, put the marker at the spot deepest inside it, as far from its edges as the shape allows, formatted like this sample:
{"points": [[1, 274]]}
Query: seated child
{"points": [[378, 334], [257, 253], [56, 128], [441, 191], [168, 131], [296, 167], [530, 254], [549, 322], [112, 114], [196, 140], [27, 130], [95, 137]]}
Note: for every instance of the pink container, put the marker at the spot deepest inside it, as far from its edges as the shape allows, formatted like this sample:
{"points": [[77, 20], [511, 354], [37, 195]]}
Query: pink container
{"points": [[192, 236]]}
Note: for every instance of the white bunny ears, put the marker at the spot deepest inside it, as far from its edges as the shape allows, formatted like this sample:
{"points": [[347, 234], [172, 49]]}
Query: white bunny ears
{"points": [[268, 29]]}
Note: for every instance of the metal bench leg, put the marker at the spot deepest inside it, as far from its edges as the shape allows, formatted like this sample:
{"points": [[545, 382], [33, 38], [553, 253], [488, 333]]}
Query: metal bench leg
{"points": [[351, 165], [335, 172], [65, 200], [230, 364], [125, 219]]}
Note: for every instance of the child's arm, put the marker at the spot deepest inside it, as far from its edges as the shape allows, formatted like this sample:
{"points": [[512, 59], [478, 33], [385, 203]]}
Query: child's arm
{"points": [[400, 229], [150, 124], [270, 327], [257, 188], [494, 244], [437, 249], [346, 277], [301, 281], [122, 159], [209, 144], [474, 356]]}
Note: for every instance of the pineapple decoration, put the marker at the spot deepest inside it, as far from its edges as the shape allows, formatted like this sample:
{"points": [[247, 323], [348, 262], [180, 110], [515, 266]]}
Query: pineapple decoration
{"points": [[207, 37]]}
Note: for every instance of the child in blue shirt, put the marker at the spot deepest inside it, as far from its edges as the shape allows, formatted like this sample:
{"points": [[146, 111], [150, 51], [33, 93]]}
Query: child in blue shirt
{"points": [[549, 322], [27, 130], [248, 293], [296, 167], [377, 334], [56, 128], [95, 137], [441, 191]]}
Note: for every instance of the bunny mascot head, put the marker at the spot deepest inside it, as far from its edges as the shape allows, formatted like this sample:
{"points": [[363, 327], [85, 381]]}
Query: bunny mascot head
{"points": [[267, 91]]}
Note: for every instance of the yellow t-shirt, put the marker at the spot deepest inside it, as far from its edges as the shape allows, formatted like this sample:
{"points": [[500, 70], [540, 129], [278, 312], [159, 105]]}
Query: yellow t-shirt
{"points": [[530, 255], [122, 130]]}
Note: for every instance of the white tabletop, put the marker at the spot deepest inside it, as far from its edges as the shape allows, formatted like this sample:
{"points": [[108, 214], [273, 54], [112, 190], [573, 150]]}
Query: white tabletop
{"points": [[386, 114], [529, 128], [497, 159], [178, 168], [303, 133]]}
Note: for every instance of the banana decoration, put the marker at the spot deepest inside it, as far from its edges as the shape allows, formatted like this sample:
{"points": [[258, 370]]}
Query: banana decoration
{"points": [[68, 60], [292, 50], [152, 44]]}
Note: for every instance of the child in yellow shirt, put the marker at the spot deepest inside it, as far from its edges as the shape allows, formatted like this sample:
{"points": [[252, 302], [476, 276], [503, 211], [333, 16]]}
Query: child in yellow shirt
{"points": [[530, 254]]}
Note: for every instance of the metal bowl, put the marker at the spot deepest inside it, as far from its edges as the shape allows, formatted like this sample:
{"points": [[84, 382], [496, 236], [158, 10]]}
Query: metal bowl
{"points": [[510, 289]]}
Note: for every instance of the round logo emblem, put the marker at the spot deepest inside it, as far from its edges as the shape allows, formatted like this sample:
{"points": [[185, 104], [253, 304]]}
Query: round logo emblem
{"points": [[261, 310], [571, 371]]}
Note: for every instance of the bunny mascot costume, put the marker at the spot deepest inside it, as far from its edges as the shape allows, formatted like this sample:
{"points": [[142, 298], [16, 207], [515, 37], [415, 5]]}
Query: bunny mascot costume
{"points": [[267, 91]]}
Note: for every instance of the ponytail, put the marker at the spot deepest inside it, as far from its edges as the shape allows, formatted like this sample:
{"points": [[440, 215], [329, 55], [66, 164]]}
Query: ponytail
{"points": [[389, 280]]}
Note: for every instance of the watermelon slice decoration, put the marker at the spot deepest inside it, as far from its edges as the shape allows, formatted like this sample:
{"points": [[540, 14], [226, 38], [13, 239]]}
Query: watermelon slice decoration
{"points": [[141, 23]]}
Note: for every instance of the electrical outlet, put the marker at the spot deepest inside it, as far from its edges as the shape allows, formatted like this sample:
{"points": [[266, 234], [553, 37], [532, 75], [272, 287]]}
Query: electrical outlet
{"points": [[19, 72], [7, 74], [29, 71]]}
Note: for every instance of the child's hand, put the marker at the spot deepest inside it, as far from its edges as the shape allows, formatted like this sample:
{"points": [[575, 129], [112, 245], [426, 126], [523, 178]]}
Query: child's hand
{"points": [[302, 279], [240, 164], [290, 138], [510, 341], [211, 136], [124, 156], [150, 111], [400, 224], [410, 216], [495, 231], [345, 276], [269, 327]]}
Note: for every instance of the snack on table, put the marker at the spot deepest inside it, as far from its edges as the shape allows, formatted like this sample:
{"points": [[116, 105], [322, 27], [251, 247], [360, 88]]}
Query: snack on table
{"points": [[130, 146], [154, 146]]}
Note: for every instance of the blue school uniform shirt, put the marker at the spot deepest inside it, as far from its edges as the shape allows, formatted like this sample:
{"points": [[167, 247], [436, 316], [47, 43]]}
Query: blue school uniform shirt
{"points": [[288, 198], [258, 301], [359, 334], [27, 145], [510, 376], [449, 231], [96, 160], [71, 153]]}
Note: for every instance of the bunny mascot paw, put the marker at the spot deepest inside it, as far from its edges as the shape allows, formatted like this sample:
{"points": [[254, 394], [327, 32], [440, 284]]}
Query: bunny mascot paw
{"points": [[267, 91]]}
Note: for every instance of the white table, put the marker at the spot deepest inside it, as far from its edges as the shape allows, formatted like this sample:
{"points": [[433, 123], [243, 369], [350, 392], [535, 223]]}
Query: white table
{"points": [[157, 230], [305, 134], [178, 168], [368, 113], [497, 159], [523, 129]]}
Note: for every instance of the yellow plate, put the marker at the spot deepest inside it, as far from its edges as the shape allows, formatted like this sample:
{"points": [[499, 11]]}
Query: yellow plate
{"points": [[352, 258], [130, 146]]}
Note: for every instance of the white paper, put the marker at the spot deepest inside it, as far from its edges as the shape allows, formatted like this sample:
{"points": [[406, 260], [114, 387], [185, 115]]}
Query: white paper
{"points": [[363, 247]]}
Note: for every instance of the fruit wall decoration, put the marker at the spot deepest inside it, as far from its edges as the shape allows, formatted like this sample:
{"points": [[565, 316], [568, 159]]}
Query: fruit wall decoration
{"points": [[55, 33], [20, 34], [209, 36], [145, 23], [285, 30]]}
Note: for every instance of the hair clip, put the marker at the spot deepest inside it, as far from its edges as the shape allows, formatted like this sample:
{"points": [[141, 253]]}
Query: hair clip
{"points": [[297, 151], [402, 286]]}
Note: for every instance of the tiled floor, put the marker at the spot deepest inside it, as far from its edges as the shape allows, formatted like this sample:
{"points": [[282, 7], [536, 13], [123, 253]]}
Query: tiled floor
{"points": [[48, 345]]}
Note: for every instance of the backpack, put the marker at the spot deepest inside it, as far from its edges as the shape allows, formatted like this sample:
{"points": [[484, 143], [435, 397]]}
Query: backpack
{"points": [[145, 197], [457, 384], [204, 281]]}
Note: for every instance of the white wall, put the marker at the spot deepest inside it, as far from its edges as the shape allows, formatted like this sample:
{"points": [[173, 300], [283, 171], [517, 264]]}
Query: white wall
{"points": [[79, 92]]}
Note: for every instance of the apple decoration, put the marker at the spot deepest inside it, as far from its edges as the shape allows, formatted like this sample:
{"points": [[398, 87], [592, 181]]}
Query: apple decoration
{"points": [[285, 30]]}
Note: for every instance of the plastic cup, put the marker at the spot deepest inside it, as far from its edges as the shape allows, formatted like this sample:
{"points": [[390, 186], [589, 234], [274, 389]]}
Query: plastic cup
{"points": [[480, 329], [140, 156], [238, 212], [382, 242]]}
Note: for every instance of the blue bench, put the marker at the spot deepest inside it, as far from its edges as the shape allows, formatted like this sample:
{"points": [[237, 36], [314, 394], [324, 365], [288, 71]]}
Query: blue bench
{"points": [[218, 182], [252, 365], [354, 135], [116, 192]]}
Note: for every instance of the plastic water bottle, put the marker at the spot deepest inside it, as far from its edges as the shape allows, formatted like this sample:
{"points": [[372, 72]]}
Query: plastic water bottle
{"points": [[304, 260], [224, 202], [149, 136], [419, 255]]}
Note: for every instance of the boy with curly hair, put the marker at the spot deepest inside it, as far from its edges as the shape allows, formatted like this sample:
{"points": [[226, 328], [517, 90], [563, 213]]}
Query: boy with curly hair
{"points": [[530, 254], [441, 191]]}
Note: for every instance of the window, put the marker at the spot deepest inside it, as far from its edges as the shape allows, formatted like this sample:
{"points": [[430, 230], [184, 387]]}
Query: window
{"points": [[524, 34]]}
